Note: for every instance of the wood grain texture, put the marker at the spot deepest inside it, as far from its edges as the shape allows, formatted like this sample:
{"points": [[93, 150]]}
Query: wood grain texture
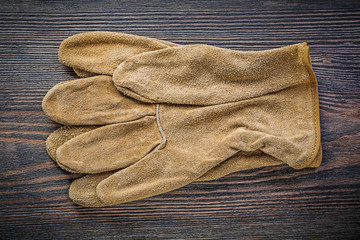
{"points": [[272, 202]]}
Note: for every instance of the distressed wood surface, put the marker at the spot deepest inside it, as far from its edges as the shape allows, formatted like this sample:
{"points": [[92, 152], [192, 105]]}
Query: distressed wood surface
{"points": [[271, 202]]}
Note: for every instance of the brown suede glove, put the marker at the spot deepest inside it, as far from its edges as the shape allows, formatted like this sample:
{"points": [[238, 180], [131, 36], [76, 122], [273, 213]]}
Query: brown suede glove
{"points": [[228, 127]]}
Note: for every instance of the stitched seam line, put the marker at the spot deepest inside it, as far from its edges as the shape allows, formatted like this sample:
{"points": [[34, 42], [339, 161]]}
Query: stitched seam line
{"points": [[305, 65], [162, 144]]}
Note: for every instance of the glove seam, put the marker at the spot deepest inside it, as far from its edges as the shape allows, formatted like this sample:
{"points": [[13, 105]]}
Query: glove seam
{"points": [[163, 135], [302, 50]]}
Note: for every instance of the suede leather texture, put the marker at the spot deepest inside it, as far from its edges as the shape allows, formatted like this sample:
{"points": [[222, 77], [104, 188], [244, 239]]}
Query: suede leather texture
{"points": [[100, 52], [219, 110]]}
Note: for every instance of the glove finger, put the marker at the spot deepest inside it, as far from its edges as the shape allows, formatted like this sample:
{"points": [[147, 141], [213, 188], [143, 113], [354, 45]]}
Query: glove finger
{"points": [[62, 135], [110, 147], [92, 101], [206, 75], [83, 190], [155, 174], [101, 52]]}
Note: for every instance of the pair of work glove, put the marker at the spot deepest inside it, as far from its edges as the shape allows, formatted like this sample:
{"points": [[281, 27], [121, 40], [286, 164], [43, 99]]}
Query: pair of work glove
{"points": [[151, 116]]}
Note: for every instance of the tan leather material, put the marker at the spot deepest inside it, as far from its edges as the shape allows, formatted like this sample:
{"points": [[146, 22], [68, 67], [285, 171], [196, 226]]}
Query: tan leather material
{"points": [[110, 147], [207, 75], [83, 190], [62, 135], [106, 49], [92, 101]]}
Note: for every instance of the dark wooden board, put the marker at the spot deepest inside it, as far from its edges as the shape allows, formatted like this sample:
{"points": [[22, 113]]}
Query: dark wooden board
{"points": [[272, 202]]}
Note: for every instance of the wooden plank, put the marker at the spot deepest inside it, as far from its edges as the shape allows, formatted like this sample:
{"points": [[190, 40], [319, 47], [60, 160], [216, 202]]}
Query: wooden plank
{"points": [[272, 202]]}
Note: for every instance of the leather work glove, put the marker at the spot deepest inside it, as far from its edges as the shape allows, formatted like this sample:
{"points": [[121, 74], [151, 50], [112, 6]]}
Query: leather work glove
{"points": [[276, 119]]}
